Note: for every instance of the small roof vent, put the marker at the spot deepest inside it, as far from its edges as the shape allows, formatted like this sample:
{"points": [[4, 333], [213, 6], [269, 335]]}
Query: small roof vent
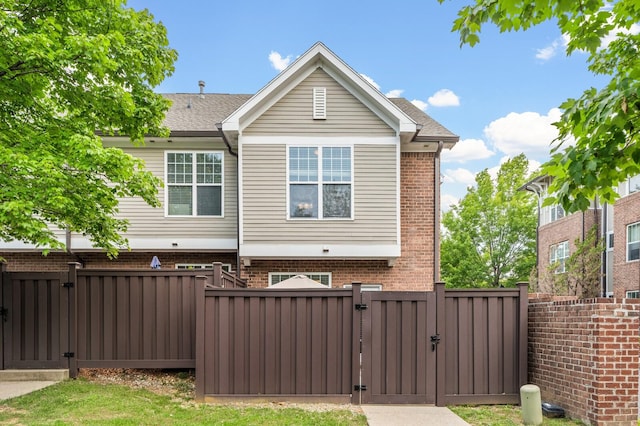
{"points": [[201, 85]]}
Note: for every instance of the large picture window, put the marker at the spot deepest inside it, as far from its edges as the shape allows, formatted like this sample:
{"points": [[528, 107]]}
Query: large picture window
{"points": [[194, 183], [633, 242], [559, 253], [320, 182]]}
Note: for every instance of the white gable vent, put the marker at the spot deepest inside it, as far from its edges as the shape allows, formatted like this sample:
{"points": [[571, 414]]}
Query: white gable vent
{"points": [[319, 103]]}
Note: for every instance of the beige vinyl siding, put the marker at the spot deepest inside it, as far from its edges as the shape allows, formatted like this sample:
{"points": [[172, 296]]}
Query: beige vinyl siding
{"points": [[265, 200], [149, 222], [293, 114]]}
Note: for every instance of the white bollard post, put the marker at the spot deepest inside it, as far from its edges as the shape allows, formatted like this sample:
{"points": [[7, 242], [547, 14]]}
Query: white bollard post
{"points": [[531, 405]]}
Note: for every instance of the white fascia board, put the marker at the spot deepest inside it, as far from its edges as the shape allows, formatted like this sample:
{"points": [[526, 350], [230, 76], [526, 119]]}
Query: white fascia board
{"points": [[79, 243], [9, 246], [319, 140], [320, 251]]}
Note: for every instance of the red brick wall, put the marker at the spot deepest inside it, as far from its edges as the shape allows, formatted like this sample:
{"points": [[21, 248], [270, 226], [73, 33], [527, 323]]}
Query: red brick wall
{"points": [[30, 261], [414, 270], [626, 275], [566, 229], [583, 355]]}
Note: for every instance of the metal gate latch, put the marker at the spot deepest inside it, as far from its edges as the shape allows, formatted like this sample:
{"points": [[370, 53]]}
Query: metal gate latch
{"points": [[435, 339]]}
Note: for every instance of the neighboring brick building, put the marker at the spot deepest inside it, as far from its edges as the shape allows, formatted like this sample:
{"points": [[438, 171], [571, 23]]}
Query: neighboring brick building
{"points": [[617, 226]]}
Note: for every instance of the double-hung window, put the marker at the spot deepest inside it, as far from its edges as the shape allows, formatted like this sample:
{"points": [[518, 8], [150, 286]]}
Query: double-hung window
{"points": [[559, 254], [194, 183], [320, 182], [633, 242]]}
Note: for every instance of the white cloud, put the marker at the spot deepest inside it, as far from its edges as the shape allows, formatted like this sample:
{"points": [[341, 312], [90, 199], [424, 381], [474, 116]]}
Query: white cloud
{"points": [[613, 34], [444, 98], [550, 51], [395, 93], [278, 62], [467, 150], [446, 201], [370, 81], [528, 132], [420, 104], [460, 175]]}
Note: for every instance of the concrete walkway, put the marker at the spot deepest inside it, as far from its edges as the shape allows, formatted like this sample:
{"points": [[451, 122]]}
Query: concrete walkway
{"points": [[411, 415], [10, 390], [15, 383]]}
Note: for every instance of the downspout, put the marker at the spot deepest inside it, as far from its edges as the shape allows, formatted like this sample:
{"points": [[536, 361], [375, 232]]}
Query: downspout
{"points": [[235, 154], [69, 250], [436, 214]]}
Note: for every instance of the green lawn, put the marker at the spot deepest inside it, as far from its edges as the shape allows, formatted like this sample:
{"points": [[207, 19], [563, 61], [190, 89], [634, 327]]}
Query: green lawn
{"points": [[502, 415], [80, 402]]}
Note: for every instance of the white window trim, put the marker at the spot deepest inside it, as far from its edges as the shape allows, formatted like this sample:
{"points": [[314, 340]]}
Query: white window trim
{"points": [[319, 183], [194, 199], [553, 212], [293, 274], [366, 287], [552, 260], [629, 188], [632, 294], [195, 266], [629, 242]]}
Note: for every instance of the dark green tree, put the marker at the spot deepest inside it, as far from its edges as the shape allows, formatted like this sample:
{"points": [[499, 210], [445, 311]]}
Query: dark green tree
{"points": [[603, 123], [489, 237], [68, 70]]}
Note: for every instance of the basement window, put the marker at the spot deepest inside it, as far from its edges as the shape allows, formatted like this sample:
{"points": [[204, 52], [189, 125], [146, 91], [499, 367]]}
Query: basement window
{"points": [[633, 294], [319, 103]]}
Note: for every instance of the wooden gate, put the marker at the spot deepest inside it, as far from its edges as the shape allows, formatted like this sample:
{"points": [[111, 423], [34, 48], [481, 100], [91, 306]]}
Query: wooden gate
{"points": [[399, 342], [35, 320]]}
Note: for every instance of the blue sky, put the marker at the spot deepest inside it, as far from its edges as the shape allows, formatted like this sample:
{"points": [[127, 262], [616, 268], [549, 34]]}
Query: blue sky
{"points": [[500, 96]]}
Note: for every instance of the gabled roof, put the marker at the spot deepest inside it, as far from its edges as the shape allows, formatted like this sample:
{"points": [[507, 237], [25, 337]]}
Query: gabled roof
{"points": [[319, 56], [200, 112]]}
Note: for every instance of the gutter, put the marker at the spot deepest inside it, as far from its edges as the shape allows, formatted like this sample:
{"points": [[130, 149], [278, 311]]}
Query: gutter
{"points": [[436, 214], [235, 154]]}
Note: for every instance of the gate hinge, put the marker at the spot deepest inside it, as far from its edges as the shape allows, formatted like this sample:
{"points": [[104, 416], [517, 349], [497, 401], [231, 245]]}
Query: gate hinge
{"points": [[361, 306], [67, 285], [68, 354], [360, 388]]}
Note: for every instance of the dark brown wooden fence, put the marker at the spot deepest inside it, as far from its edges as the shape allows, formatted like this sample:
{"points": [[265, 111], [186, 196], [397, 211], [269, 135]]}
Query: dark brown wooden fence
{"points": [[280, 343], [467, 346], [485, 346], [88, 318], [447, 347]]}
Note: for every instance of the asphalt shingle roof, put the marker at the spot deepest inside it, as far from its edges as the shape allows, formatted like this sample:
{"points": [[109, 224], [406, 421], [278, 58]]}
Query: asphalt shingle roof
{"points": [[201, 112]]}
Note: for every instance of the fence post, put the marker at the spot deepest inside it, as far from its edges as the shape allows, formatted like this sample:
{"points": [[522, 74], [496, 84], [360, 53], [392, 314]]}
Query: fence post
{"points": [[356, 343], [523, 332], [72, 328], [217, 275], [441, 358], [201, 284]]}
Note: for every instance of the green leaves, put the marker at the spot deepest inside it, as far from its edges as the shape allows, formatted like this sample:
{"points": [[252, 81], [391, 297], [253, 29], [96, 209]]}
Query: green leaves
{"points": [[597, 147], [67, 70], [489, 237]]}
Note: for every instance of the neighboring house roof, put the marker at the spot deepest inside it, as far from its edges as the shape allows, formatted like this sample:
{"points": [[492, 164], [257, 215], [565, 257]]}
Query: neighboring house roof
{"points": [[200, 112]]}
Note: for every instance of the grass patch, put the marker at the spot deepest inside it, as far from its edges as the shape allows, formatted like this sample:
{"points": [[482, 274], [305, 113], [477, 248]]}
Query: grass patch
{"points": [[503, 415], [80, 402]]}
